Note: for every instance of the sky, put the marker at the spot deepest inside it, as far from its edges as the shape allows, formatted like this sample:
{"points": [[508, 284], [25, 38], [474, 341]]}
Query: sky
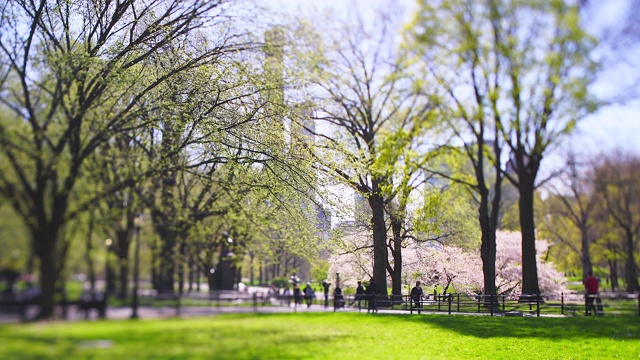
{"points": [[612, 127]]}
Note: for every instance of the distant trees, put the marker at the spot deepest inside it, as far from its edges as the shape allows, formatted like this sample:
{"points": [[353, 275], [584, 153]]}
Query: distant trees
{"points": [[572, 210], [617, 182], [594, 215]]}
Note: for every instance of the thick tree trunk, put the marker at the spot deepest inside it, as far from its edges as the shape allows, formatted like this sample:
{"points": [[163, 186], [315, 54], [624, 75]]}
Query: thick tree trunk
{"points": [[529, 265], [396, 270], [166, 267], [613, 274], [488, 241], [123, 263], [585, 257], [380, 253], [48, 274], [630, 267], [488, 256]]}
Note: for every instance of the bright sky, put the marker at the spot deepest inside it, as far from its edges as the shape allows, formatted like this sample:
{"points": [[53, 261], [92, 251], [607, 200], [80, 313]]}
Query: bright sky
{"points": [[612, 127]]}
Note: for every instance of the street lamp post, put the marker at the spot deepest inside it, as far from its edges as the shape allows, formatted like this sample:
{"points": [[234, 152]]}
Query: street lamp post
{"points": [[107, 268], [137, 223]]}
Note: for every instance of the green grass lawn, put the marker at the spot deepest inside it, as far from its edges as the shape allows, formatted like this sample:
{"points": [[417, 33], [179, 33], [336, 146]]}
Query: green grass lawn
{"points": [[327, 336]]}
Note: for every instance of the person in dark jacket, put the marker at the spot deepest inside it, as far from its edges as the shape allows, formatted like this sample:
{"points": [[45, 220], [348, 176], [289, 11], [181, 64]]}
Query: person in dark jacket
{"points": [[297, 294], [370, 293], [359, 294], [309, 294], [416, 295]]}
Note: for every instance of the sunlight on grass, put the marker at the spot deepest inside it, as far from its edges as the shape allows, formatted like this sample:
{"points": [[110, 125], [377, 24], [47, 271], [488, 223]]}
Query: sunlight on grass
{"points": [[326, 336]]}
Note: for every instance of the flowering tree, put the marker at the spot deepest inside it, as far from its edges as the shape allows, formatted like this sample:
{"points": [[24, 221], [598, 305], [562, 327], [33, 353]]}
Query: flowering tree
{"points": [[454, 269], [352, 265]]}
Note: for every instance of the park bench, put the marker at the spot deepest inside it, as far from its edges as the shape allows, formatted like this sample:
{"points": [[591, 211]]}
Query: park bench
{"points": [[91, 300]]}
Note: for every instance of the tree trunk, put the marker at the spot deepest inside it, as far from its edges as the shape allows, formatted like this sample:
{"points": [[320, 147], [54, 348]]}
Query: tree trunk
{"points": [[181, 265], [192, 274], [585, 257], [488, 223], [48, 272], [166, 266], [123, 263], [198, 273], [380, 254], [630, 267], [488, 256], [88, 258], [529, 265], [613, 274], [396, 270]]}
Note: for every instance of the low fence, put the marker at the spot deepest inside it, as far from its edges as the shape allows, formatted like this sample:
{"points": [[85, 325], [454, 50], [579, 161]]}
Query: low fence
{"points": [[492, 305], [608, 304]]}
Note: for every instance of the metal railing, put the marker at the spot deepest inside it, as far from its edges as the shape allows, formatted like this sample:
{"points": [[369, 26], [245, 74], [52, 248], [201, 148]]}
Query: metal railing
{"points": [[608, 304]]}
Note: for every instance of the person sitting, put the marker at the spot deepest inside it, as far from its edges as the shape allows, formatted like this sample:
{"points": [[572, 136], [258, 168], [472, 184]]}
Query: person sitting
{"points": [[416, 296]]}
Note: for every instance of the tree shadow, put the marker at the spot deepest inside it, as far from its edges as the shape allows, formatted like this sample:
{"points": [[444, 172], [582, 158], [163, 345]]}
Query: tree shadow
{"points": [[547, 328]]}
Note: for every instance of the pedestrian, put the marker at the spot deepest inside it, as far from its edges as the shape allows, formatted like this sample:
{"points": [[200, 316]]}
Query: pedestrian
{"points": [[359, 294], [325, 285], [591, 289], [286, 295], [370, 293], [416, 295], [297, 294], [309, 294]]}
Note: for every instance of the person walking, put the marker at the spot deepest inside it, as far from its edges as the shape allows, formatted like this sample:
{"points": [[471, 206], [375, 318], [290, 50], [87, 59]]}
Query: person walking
{"points": [[309, 294], [591, 292], [297, 294], [359, 294], [370, 293]]}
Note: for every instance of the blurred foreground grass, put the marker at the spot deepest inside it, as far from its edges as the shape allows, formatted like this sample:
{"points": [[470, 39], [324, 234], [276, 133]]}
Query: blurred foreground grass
{"points": [[327, 336]]}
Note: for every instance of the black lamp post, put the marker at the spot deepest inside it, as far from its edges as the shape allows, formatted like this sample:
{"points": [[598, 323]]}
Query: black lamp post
{"points": [[107, 267], [137, 224]]}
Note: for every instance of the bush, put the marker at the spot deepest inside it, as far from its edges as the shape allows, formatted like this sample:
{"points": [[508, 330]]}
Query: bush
{"points": [[280, 282]]}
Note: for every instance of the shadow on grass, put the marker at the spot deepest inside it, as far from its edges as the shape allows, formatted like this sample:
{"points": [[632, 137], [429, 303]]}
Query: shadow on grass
{"points": [[547, 328]]}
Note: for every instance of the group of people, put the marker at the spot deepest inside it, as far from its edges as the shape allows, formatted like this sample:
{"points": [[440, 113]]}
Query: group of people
{"points": [[308, 294], [362, 294], [417, 295]]}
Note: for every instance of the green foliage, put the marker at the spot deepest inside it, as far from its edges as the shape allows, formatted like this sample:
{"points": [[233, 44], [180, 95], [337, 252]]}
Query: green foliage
{"points": [[327, 335], [320, 271], [280, 282], [449, 216]]}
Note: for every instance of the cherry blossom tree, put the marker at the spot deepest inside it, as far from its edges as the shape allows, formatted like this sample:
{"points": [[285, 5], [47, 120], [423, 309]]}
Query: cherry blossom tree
{"points": [[454, 269]]}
